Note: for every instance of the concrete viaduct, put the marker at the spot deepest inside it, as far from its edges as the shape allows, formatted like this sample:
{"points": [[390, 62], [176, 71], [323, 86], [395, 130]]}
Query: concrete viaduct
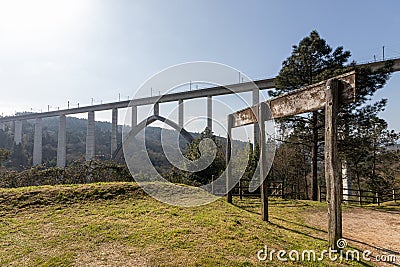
{"points": [[133, 104]]}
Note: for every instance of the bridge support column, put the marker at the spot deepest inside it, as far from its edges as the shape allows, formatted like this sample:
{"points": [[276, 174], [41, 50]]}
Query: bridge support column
{"points": [[346, 179], [37, 143], [90, 150], [114, 130], [256, 127], [157, 109], [209, 112], [18, 132], [62, 142], [180, 113], [134, 116]]}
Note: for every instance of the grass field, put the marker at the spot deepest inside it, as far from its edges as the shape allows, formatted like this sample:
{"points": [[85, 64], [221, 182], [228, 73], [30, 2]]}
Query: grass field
{"points": [[116, 224]]}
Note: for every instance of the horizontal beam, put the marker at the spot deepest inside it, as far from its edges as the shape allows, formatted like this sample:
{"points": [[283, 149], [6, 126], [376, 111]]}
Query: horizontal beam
{"points": [[304, 100], [213, 91]]}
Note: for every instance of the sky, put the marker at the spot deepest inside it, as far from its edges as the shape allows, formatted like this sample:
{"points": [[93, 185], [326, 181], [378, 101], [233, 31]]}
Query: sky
{"points": [[80, 51]]}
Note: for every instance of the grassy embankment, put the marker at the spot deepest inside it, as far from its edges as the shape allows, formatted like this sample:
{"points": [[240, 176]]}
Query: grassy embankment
{"points": [[116, 224]]}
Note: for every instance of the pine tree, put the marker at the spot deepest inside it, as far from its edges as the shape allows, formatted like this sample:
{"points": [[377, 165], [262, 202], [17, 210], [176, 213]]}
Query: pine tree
{"points": [[312, 61]]}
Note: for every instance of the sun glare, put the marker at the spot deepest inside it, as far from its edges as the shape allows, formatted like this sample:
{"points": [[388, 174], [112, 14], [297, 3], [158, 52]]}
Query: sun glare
{"points": [[24, 16]]}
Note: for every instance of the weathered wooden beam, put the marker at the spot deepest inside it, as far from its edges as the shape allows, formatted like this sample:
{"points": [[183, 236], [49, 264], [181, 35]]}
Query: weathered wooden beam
{"points": [[304, 100], [263, 162], [333, 181]]}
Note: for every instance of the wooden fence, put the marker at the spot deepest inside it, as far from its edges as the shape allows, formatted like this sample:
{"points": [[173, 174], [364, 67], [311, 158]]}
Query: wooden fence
{"points": [[362, 196]]}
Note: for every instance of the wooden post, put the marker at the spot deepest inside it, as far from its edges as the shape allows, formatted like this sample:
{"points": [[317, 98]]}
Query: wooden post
{"points": [[394, 195], [333, 183], [228, 158], [319, 193], [263, 162], [240, 188], [212, 184], [377, 198], [360, 196]]}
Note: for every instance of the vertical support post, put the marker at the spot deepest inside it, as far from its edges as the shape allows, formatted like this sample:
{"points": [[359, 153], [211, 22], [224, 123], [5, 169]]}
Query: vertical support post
{"points": [[114, 130], [134, 116], [18, 132], [180, 113], [212, 184], [263, 161], [377, 198], [333, 183], [62, 142], [360, 196], [346, 182], [228, 158], [157, 109], [2, 126], [37, 143], [209, 112], [240, 189], [90, 150], [256, 127], [319, 193], [394, 195]]}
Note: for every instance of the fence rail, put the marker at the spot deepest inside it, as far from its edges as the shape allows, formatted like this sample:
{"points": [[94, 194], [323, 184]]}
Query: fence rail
{"points": [[277, 189], [362, 196]]}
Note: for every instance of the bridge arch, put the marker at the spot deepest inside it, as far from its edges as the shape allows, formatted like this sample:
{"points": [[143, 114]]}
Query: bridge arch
{"points": [[185, 134]]}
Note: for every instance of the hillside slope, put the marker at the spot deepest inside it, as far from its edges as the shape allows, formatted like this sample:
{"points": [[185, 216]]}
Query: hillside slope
{"points": [[116, 224]]}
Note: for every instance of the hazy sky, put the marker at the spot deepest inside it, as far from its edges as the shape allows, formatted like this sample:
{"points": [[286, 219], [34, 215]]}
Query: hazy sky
{"points": [[53, 51]]}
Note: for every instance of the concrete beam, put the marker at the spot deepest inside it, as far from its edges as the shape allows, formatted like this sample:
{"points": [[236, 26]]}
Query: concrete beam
{"points": [[180, 113], [62, 142], [209, 112], [134, 116], [114, 130], [256, 126], [18, 132], [157, 109], [90, 143], [37, 143], [212, 91]]}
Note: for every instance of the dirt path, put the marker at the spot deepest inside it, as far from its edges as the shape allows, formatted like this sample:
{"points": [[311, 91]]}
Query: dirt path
{"points": [[375, 230]]}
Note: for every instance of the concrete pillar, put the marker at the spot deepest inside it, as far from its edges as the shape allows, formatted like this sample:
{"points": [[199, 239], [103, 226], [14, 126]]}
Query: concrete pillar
{"points": [[209, 112], [37, 143], [114, 130], [62, 142], [134, 116], [256, 129], [90, 152], [180, 114], [18, 132], [346, 178], [157, 109]]}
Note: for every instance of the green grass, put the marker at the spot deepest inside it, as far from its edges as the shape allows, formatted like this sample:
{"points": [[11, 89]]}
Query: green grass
{"points": [[116, 224]]}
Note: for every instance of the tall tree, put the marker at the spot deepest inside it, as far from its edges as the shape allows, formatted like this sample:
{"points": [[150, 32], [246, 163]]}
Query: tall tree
{"points": [[312, 61]]}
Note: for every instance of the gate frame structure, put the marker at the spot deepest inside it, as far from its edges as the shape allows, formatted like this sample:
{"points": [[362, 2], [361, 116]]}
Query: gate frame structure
{"points": [[329, 95]]}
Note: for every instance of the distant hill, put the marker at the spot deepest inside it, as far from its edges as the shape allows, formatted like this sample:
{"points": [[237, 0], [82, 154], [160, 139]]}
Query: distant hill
{"points": [[76, 136]]}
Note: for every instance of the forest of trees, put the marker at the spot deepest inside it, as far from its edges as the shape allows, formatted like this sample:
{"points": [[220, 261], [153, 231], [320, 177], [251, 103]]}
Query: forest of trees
{"points": [[368, 149]]}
